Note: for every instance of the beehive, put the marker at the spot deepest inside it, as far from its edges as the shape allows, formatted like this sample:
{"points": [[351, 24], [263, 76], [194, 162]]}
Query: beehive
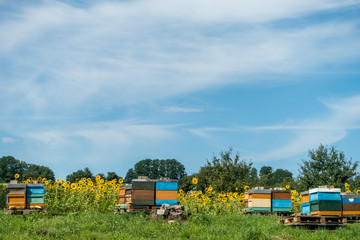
{"points": [[125, 194], [325, 201], [350, 204], [280, 201], [258, 200], [15, 196], [305, 203], [35, 196], [166, 192], [143, 192]]}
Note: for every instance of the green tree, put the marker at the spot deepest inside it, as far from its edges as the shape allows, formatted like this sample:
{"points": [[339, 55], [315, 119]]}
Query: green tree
{"points": [[130, 175], [277, 178], [9, 166], [86, 173], [155, 168], [226, 173], [36, 171], [111, 176], [326, 166]]}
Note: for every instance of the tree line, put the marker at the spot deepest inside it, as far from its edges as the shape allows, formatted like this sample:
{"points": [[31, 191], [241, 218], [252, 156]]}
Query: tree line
{"points": [[225, 172]]}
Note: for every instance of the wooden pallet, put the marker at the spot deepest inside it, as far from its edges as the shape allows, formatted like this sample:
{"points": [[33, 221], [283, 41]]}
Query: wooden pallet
{"points": [[314, 222], [352, 218], [268, 213], [130, 208], [23, 211]]}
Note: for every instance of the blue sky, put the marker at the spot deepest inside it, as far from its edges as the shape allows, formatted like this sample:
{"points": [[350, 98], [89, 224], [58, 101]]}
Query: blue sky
{"points": [[105, 84]]}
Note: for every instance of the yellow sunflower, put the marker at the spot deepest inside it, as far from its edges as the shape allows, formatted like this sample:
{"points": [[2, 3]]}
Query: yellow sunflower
{"points": [[247, 188], [195, 181], [16, 176], [73, 186], [121, 180], [358, 192], [287, 186]]}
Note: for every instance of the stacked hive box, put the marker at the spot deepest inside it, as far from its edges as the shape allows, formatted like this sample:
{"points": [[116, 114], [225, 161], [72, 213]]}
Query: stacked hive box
{"points": [[143, 192], [350, 204], [122, 195], [125, 194], [35, 196], [325, 201], [15, 196], [166, 192], [280, 201], [305, 203], [259, 200]]}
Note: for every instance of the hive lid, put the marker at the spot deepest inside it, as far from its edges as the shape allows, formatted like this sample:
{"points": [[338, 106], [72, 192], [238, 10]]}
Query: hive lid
{"points": [[264, 191], [36, 185], [128, 186], [166, 180], [143, 180], [21, 185], [329, 190], [304, 193], [349, 195]]}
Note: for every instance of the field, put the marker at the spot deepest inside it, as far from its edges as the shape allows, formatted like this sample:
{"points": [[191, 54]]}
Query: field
{"points": [[92, 225], [85, 210]]}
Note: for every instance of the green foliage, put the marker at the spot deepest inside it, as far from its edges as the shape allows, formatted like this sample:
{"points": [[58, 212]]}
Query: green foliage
{"points": [[226, 173], [130, 175], [185, 183], [111, 176], [156, 168], [36, 171], [86, 173], [327, 166], [278, 178], [9, 166]]}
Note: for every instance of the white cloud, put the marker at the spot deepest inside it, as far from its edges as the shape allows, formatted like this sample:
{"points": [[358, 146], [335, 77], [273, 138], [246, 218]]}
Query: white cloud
{"points": [[344, 115], [64, 57], [8, 140], [181, 109]]}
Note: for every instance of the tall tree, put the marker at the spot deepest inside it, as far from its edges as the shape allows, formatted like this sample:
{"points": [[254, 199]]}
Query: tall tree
{"points": [[9, 166], [326, 166], [226, 173], [112, 175], [130, 175], [155, 168], [86, 173], [36, 171]]}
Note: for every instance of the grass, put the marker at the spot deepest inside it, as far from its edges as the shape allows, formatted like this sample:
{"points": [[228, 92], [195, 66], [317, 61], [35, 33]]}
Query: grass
{"points": [[92, 225]]}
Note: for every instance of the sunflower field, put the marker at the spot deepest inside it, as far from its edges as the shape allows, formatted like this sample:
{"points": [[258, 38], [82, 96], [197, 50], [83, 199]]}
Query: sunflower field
{"points": [[100, 195], [81, 196]]}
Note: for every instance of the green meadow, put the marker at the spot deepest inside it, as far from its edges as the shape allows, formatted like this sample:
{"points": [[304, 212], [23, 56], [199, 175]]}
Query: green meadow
{"points": [[93, 225]]}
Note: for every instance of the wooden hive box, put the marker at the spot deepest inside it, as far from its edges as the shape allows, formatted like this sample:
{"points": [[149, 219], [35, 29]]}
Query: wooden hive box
{"points": [[325, 201], [350, 204], [15, 196], [35, 196], [258, 200], [280, 200], [143, 192], [166, 192], [121, 194], [305, 202]]}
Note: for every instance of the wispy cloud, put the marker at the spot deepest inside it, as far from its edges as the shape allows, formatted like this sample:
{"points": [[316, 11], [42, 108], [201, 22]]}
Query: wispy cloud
{"points": [[7, 140], [182, 109], [344, 115], [139, 51]]}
